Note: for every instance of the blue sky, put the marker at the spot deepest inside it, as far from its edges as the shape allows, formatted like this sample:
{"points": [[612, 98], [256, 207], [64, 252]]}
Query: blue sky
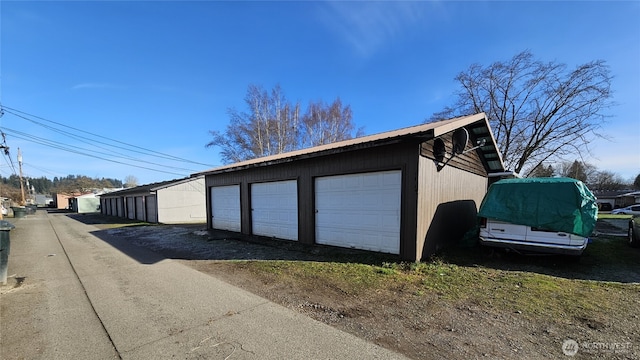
{"points": [[160, 75]]}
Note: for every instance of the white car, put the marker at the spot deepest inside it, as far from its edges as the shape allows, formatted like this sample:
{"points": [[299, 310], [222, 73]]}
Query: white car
{"points": [[530, 239], [629, 210], [4, 210]]}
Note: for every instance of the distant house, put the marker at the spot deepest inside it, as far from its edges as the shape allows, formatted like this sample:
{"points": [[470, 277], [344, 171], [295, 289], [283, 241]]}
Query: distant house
{"points": [[628, 198], [61, 201], [617, 198], [605, 199], [401, 192], [170, 202]]}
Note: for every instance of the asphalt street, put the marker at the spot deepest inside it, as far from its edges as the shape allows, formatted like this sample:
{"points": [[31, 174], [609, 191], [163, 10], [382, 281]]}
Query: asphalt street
{"points": [[72, 295]]}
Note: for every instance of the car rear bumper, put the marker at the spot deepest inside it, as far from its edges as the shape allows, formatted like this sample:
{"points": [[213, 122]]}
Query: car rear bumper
{"points": [[536, 247]]}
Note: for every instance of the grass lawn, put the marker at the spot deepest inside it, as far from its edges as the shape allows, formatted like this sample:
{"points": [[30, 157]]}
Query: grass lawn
{"points": [[598, 284], [613, 216]]}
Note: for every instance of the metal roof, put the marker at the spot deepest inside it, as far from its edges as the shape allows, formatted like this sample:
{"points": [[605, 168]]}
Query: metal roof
{"points": [[477, 124], [147, 188], [175, 182]]}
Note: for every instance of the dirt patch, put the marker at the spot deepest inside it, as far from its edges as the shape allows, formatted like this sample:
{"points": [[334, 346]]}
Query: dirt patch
{"points": [[420, 327], [428, 326], [14, 283], [404, 317]]}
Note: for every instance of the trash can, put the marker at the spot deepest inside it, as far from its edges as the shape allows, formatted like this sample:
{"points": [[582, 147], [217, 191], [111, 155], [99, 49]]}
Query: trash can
{"points": [[31, 209], [5, 244], [19, 211]]}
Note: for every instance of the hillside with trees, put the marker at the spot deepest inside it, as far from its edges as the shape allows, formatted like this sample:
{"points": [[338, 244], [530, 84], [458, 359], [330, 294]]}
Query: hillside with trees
{"points": [[10, 186]]}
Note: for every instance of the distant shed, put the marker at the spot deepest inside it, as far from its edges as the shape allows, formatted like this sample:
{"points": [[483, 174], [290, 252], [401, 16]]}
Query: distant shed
{"points": [[87, 203], [390, 192]]}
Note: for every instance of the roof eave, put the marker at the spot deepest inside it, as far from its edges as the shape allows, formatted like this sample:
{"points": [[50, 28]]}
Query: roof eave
{"points": [[420, 133]]}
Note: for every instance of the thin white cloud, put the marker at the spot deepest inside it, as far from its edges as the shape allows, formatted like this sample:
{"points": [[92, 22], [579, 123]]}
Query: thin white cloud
{"points": [[368, 26], [95, 86]]}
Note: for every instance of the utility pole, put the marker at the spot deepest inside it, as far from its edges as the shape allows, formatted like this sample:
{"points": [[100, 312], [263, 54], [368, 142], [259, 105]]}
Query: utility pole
{"points": [[4, 148], [6, 151], [21, 185]]}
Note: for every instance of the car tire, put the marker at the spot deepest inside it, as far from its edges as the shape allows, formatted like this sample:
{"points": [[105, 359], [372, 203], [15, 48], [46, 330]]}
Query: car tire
{"points": [[634, 237]]}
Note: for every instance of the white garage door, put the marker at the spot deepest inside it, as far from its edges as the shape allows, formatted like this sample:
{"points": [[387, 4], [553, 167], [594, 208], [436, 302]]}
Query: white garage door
{"points": [[274, 209], [225, 207], [359, 211]]}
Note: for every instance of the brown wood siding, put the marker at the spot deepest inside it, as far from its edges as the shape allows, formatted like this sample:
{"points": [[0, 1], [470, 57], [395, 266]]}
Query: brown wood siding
{"points": [[399, 156], [448, 201], [435, 205], [469, 161]]}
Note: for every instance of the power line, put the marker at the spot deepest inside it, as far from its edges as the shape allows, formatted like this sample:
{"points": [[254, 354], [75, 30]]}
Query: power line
{"points": [[51, 172], [140, 150], [6, 150], [78, 150], [53, 145], [110, 155]]}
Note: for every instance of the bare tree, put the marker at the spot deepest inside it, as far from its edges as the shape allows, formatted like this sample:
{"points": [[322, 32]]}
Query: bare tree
{"points": [[542, 171], [588, 174], [578, 170], [130, 181], [538, 111], [326, 124], [274, 120], [84, 184], [273, 125], [607, 180]]}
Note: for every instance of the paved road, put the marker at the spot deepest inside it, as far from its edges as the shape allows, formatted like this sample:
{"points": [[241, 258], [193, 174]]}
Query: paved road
{"points": [[80, 297]]}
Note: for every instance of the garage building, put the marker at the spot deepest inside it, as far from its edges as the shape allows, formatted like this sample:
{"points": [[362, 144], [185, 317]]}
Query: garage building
{"points": [[179, 201], [405, 192]]}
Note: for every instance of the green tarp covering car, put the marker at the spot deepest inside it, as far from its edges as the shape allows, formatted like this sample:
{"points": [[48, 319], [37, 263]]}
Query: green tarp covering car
{"points": [[557, 204]]}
